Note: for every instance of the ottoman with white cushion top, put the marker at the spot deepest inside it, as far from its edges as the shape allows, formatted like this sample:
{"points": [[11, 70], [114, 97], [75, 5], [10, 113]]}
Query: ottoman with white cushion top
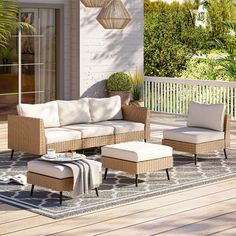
{"points": [[52, 175], [137, 157]]}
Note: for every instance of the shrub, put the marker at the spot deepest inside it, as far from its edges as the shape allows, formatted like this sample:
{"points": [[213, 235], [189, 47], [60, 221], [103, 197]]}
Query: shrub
{"points": [[205, 69], [119, 81], [169, 39], [219, 11]]}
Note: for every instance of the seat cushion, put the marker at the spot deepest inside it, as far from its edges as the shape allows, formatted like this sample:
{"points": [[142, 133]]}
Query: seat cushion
{"points": [[102, 109], [136, 151], [55, 135], [50, 169], [206, 116], [74, 112], [123, 126], [193, 135], [91, 130], [48, 112]]}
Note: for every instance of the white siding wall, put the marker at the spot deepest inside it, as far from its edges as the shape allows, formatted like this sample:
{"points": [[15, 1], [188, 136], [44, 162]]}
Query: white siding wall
{"points": [[103, 52]]}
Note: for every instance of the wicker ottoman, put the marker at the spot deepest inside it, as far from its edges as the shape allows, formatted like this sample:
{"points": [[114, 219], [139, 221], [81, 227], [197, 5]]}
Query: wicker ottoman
{"points": [[137, 157], [50, 175]]}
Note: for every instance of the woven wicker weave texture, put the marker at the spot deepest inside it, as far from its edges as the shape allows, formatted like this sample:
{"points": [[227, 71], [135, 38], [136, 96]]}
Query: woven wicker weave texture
{"points": [[27, 134], [200, 148], [137, 167]]}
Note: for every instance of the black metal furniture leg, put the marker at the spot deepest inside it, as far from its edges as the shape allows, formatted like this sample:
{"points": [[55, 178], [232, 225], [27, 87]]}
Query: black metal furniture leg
{"points": [[225, 154], [195, 159], [96, 189], [32, 190], [105, 175], [60, 198], [136, 180], [12, 153], [167, 173]]}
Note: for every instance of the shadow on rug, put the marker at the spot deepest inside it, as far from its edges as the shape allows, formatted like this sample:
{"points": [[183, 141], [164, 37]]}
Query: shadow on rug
{"points": [[118, 188]]}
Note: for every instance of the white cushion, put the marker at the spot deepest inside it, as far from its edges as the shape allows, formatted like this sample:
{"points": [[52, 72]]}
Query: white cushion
{"points": [[73, 112], [46, 111], [50, 169], [54, 169], [91, 130], [206, 116], [56, 135], [193, 135], [102, 109], [123, 126], [136, 151]]}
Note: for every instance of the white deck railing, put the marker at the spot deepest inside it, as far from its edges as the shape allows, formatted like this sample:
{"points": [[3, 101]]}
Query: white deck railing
{"points": [[172, 95]]}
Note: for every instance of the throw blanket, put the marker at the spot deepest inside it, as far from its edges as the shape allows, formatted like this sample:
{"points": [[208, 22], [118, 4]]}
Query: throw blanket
{"points": [[86, 175]]}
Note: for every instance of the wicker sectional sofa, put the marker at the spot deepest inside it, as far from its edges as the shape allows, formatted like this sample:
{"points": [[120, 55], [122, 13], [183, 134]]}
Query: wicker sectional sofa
{"points": [[77, 124]]}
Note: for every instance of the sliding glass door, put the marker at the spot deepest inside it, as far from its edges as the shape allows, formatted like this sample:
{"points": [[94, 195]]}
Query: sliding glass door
{"points": [[28, 72]]}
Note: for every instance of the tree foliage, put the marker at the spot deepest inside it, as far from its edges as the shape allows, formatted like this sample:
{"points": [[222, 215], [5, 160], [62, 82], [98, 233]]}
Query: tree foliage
{"points": [[218, 12], [229, 62], [169, 38]]}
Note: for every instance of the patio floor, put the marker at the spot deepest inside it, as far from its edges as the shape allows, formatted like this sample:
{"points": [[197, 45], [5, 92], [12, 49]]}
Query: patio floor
{"points": [[205, 210]]}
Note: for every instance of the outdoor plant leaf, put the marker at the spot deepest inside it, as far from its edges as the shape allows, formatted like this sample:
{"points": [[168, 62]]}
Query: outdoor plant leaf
{"points": [[137, 79], [119, 81], [9, 21]]}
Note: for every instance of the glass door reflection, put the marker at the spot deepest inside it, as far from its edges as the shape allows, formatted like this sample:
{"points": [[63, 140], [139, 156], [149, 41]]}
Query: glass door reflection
{"points": [[38, 59]]}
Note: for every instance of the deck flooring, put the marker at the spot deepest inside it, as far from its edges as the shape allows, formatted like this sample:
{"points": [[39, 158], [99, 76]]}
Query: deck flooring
{"points": [[203, 210]]}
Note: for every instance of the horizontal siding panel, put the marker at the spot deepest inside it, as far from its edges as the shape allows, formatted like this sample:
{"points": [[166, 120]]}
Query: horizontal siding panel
{"points": [[103, 52]]}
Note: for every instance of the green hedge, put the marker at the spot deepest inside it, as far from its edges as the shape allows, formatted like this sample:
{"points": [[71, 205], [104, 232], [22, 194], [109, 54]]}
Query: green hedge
{"points": [[206, 69], [169, 39]]}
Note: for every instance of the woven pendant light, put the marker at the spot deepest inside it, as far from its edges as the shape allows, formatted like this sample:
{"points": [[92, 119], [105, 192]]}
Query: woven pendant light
{"points": [[95, 3], [114, 15]]}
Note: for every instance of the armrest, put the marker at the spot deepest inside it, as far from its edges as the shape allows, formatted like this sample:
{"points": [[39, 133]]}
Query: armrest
{"points": [[138, 114], [26, 134], [227, 131]]}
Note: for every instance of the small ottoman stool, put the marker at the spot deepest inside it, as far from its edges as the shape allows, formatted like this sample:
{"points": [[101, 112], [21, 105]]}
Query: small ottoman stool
{"points": [[137, 157], [50, 175]]}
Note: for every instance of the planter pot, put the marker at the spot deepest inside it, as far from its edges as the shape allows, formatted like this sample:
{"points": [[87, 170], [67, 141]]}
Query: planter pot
{"points": [[136, 103], [125, 96]]}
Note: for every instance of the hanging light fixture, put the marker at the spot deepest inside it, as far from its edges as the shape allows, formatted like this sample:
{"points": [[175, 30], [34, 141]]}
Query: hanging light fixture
{"points": [[114, 15], [95, 3]]}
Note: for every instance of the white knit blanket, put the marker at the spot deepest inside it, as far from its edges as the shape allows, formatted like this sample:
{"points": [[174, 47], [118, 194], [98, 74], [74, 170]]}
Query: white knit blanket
{"points": [[86, 175]]}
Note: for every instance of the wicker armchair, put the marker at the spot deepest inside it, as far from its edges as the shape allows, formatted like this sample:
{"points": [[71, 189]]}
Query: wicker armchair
{"points": [[208, 129]]}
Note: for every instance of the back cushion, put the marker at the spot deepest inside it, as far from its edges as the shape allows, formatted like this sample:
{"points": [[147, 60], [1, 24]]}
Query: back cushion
{"points": [[206, 116], [102, 109], [48, 112], [74, 112]]}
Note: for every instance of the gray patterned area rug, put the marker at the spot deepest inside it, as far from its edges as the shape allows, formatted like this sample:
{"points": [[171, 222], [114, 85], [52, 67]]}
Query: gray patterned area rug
{"points": [[118, 188]]}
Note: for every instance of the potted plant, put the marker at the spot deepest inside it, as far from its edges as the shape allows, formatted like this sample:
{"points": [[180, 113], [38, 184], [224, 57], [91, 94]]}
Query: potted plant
{"points": [[120, 84], [137, 79]]}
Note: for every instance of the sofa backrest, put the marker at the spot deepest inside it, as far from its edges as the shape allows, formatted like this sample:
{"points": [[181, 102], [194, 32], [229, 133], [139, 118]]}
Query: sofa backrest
{"points": [[74, 112], [85, 110], [206, 116], [102, 109], [48, 112]]}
